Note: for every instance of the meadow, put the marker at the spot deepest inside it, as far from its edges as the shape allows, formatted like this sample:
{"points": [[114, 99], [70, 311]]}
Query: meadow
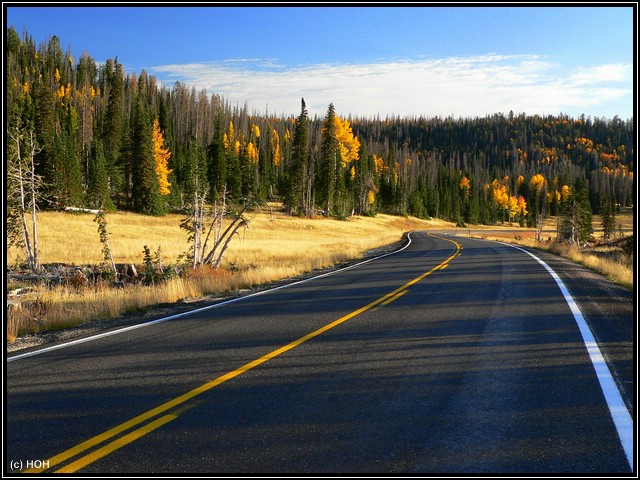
{"points": [[274, 247]]}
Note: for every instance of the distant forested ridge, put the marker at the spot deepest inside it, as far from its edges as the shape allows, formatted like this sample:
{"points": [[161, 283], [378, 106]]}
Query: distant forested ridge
{"points": [[103, 138]]}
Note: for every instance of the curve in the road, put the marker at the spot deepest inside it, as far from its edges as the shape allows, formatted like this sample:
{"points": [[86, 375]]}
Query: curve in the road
{"points": [[132, 436]]}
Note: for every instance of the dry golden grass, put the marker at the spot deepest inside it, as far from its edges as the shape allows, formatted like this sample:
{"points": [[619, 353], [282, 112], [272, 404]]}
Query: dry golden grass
{"points": [[72, 238]]}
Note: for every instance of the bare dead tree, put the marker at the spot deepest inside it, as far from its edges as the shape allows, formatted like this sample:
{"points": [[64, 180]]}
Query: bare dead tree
{"points": [[23, 192], [214, 257], [210, 248]]}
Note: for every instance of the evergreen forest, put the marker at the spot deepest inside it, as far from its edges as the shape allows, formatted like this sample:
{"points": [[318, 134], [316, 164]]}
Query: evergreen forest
{"points": [[88, 135]]}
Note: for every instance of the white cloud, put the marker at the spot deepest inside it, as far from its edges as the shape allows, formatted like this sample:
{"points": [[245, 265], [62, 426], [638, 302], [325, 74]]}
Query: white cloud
{"points": [[617, 72], [457, 86]]}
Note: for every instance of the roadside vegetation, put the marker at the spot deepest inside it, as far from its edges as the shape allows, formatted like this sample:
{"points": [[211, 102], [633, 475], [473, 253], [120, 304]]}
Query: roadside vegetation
{"points": [[275, 246], [612, 257]]}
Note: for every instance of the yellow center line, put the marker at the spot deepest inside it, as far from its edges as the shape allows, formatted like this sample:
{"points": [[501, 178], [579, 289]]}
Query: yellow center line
{"points": [[395, 297], [115, 445], [103, 437]]}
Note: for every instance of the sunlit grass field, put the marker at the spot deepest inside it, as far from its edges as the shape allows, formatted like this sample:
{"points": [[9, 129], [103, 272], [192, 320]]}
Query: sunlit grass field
{"points": [[272, 240]]}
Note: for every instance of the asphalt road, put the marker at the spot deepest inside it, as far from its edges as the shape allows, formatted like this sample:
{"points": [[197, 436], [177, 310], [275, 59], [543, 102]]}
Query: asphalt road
{"points": [[454, 355]]}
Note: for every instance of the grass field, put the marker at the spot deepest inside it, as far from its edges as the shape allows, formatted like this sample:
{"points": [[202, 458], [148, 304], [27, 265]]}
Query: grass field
{"points": [[275, 246], [273, 239]]}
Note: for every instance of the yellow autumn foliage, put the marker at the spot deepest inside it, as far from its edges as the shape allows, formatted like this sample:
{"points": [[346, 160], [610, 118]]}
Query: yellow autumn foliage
{"points": [[252, 152], [537, 182], [349, 144], [161, 157], [379, 164], [275, 147]]}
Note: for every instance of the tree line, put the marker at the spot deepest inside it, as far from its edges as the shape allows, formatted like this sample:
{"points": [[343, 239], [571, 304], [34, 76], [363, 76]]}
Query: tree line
{"points": [[87, 135]]}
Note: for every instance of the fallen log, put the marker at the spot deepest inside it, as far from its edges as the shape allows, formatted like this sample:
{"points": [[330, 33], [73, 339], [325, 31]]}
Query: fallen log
{"points": [[83, 210]]}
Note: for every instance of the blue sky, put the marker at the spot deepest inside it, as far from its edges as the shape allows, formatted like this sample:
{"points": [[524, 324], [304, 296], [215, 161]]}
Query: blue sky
{"points": [[367, 60]]}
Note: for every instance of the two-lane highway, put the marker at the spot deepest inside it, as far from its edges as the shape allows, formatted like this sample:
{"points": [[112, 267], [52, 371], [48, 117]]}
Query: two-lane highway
{"points": [[453, 355]]}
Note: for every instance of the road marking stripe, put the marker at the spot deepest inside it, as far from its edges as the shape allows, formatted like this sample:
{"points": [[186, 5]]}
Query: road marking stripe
{"points": [[115, 445], [395, 297], [76, 450], [617, 408]]}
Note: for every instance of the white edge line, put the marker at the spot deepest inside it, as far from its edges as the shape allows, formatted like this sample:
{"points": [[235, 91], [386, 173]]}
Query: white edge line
{"points": [[202, 309], [618, 409]]}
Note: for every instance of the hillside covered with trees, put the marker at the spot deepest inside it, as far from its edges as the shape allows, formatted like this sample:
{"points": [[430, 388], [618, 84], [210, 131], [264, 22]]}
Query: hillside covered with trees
{"points": [[92, 136]]}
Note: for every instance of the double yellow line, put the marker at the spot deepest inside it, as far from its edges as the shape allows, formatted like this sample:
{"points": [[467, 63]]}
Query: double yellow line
{"points": [[136, 434]]}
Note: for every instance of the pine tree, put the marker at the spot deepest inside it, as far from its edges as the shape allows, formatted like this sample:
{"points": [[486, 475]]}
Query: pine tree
{"points": [[70, 184], [86, 93], [112, 126], [107, 255], [608, 214], [98, 183], [362, 182], [44, 128], [196, 178], [217, 160], [574, 224], [329, 162], [125, 167], [297, 198], [145, 186]]}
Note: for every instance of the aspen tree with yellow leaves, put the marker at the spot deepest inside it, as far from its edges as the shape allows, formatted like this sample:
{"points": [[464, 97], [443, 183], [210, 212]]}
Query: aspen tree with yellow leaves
{"points": [[161, 156], [539, 186], [349, 144], [276, 148]]}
